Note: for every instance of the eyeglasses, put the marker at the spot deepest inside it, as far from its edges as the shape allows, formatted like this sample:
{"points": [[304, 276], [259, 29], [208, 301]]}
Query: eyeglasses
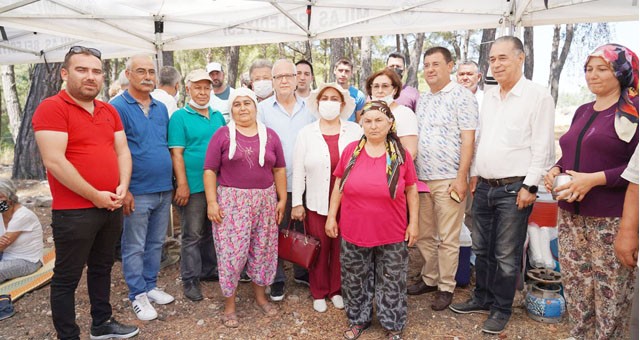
{"points": [[288, 76], [81, 49], [380, 86]]}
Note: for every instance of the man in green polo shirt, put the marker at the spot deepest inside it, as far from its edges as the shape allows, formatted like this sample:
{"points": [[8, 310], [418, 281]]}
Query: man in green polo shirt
{"points": [[190, 130]]}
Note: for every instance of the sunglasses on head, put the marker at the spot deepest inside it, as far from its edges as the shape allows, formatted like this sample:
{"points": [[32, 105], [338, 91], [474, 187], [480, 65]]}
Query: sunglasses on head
{"points": [[81, 49]]}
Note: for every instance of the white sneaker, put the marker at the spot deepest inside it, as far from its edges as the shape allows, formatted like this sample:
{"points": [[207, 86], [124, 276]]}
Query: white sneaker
{"points": [[159, 297], [143, 308], [337, 301], [320, 305]]}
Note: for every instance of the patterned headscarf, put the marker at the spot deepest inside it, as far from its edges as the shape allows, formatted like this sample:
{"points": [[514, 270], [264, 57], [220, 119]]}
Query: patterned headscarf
{"points": [[394, 151], [625, 67]]}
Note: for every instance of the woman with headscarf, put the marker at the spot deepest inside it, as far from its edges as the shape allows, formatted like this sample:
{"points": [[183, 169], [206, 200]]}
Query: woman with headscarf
{"points": [[20, 235], [595, 151], [315, 157], [245, 185], [375, 183]]}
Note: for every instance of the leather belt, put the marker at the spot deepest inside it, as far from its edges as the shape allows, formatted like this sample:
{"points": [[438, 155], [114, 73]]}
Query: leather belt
{"points": [[499, 182]]}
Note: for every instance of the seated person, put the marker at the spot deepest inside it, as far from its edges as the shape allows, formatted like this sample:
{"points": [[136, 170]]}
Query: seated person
{"points": [[20, 235]]}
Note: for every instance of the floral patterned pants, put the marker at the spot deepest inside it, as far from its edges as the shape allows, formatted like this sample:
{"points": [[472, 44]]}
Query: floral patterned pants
{"points": [[248, 234], [598, 289]]}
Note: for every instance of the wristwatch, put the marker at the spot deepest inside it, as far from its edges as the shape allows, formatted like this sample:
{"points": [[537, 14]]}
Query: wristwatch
{"points": [[531, 189]]}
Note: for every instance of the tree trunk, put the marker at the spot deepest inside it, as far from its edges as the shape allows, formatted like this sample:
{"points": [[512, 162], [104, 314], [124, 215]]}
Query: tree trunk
{"points": [[233, 57], [308, 56], [45, 82], [398, 43], [365, 58], [528, 52], [106, 67], [337, 52], [558, 58], [412, 67], [465, 45], [456, 49], [488, 36], [167, 58], [11, 100]]}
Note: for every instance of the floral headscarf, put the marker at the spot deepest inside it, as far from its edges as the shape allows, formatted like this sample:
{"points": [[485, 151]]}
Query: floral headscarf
{"points": [[394, 151], [625, 67]]}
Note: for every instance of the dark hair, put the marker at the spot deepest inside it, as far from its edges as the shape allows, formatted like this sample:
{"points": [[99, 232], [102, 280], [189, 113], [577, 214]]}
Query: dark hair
{"points": [[303, 61], [517, 43], [395, 81], [80, 50], [439, 49], [397, 55], [344, 61]]}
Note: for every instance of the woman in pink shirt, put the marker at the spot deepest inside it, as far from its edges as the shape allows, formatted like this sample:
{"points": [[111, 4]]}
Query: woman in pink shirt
{"points": [[375, 183]]}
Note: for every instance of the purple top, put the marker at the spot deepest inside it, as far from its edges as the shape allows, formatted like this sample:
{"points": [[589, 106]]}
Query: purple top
{"points": [[243, 171], [600, 150], [408, 97]]}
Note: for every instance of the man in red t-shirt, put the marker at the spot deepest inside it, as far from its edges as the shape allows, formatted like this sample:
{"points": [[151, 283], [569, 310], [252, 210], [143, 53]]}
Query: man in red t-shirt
{"points": [[85, 151]]}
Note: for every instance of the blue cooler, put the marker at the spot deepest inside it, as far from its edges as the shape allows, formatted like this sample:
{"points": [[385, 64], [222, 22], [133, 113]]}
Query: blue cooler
{"points": [[463, 275]]}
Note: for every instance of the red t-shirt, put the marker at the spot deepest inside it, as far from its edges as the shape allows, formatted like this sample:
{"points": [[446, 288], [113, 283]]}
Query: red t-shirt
{"points": [[90, 145], [368, 215]]}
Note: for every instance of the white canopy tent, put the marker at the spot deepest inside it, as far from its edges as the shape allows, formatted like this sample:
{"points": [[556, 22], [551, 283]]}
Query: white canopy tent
{"points": [[43, 30]]}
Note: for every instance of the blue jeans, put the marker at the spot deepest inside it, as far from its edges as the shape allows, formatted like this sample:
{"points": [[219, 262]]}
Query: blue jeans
{"points": [[498, 238], [197, 252], [142, 238]]}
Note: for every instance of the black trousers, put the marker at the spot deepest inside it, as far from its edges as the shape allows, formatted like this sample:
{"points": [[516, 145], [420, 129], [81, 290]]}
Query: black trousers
{"points": [[82, 236]]}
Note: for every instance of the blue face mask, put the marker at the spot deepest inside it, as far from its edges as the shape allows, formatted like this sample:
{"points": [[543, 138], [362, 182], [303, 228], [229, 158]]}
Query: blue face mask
{"points": [[4, 206]]}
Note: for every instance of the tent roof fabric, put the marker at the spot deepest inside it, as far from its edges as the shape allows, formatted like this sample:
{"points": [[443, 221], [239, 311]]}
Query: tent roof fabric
{"points": [[35, 30]]}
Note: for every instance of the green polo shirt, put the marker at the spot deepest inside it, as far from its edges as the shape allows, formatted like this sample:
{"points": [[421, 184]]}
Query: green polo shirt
{"points": [[190, 130]]}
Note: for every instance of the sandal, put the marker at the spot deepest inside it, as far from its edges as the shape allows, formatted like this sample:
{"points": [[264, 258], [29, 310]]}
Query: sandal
{"points": [[230, 320], [267, 309], [354, 331]]}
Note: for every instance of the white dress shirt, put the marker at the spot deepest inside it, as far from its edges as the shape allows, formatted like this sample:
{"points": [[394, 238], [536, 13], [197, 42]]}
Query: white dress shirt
{"points": [[312, 164], [516, 134]]}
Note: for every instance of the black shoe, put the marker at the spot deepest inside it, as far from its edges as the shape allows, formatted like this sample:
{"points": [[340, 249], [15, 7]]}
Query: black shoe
{"points": [[469, 306], [211, 278], [277, 291], [420, 288], [442, 300], [496, 323], [113, 329], [191, 289], [244, 278], [303, 280]]}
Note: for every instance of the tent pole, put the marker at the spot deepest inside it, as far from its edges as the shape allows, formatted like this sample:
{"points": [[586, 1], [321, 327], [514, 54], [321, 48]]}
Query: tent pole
{"points": [[158, 21]]}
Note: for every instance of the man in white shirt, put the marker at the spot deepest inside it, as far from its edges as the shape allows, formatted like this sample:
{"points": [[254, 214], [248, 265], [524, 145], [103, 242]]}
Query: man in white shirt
{"points": [[469, 76], [514, 149], [220, 92], [447, 119], [168, 88]]}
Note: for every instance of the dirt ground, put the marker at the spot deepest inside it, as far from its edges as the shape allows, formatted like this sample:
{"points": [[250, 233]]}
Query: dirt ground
{"points": [[184, 319]]}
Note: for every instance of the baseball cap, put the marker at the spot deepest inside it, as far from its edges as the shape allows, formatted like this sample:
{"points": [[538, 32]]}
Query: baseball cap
{"points": [[213, 67], [197, 75]]}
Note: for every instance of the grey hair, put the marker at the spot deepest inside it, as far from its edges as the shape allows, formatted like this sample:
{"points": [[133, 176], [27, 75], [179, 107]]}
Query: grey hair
{"points": [[515, 41], [130, 60], [122, 79], [8, 188], [469, 62], [260, 63], [168, 76], [284, 61]]}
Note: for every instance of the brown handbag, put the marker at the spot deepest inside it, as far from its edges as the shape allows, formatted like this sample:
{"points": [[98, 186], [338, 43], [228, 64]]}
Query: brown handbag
{"points": [[299, 248]]}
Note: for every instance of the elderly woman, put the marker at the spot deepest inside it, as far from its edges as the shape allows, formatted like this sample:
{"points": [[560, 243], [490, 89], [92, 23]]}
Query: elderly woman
{"points": [[375, 183], [386, 85], [595, 152], [20, 236], [316, 154], [245, 185]]}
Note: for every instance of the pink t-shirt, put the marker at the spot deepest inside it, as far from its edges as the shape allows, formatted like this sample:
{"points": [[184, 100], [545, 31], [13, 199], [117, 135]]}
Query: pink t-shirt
{"points": [[368, 215], [243, 171]]}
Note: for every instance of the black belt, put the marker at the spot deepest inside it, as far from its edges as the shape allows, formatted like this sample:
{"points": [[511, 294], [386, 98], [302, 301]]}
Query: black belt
{"points": [[499, 182]]}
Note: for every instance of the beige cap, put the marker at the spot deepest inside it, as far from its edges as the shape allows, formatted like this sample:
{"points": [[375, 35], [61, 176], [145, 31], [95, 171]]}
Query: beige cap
{"points": [[197, 75]]}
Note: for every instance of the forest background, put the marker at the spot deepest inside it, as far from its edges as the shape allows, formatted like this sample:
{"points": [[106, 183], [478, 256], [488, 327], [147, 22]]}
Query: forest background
{"points": [[25, 86]]}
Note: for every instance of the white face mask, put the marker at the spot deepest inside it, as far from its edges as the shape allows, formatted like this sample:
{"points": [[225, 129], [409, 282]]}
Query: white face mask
{"points": [[177, 97], [193, 104], [387, 99], [329, 110], [263, 88]]}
